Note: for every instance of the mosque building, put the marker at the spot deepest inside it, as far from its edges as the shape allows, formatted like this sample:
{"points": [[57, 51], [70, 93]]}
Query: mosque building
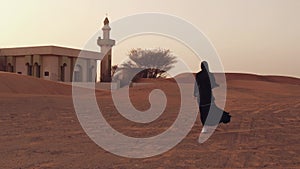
{"points": [[60, 63]]}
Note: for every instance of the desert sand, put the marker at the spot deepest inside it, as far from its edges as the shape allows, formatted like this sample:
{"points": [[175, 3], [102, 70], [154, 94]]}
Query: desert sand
{"points": [[39, 127]]}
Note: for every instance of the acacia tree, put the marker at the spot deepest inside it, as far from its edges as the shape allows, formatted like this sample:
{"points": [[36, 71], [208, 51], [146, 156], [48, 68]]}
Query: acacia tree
{"points": [[152, 63]]}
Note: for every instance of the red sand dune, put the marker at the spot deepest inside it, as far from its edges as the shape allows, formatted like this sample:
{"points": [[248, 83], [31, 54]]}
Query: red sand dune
{"points": [[268, 78], [39, 127], [22, 84], [249, 77]]}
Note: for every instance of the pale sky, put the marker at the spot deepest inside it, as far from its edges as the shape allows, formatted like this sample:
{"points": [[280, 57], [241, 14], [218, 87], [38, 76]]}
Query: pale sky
{"points": [[256, 36]]}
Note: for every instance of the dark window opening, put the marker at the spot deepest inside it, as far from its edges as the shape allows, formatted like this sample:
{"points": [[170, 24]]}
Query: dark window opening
{"points": [[63, 72], [10, 68], [77, 73], [90, 75], [46, 74], [37, 70], [29, 69]]}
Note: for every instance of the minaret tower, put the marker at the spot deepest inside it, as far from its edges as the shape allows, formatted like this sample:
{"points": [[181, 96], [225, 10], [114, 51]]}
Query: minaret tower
{"points": [[106, 44]]}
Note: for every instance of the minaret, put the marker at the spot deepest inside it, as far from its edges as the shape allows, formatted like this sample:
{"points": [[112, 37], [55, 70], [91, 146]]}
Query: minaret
{"points": [[106, 44]]}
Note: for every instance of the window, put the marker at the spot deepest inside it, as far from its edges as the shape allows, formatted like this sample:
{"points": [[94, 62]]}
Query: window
{"points": [[77, 73], [37, 70], [29, 69], [10, 68], [90, 75], [63, 72]]}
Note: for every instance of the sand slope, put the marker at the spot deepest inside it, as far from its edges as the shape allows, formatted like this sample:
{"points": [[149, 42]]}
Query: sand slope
{"points": [[39, 128], [22, 84]]}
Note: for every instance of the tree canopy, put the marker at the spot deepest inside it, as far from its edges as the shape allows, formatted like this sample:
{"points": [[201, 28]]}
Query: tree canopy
{"points": [[153, 63]]}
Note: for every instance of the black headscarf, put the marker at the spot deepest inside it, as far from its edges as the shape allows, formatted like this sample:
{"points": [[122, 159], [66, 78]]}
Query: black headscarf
{"points": [[204, 66]]}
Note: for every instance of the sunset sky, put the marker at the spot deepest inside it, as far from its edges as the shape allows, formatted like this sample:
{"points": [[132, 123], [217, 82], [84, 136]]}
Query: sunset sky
{"points": [[254, 36]]}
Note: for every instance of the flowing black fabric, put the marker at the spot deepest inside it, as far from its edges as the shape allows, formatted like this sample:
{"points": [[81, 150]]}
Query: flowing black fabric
{"points": [[205, 81], [212, 108], [204, 84]]}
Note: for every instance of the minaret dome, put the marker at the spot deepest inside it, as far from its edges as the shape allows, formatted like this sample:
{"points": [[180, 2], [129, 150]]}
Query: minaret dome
{"points": [[106, 21]]}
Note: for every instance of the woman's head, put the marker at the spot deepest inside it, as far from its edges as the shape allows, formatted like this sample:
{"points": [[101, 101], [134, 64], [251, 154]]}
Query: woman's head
{"points": [[204, 66]]}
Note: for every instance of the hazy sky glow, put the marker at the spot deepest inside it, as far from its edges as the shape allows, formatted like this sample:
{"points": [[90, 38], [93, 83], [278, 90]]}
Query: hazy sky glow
{"points": [[257, 36]]}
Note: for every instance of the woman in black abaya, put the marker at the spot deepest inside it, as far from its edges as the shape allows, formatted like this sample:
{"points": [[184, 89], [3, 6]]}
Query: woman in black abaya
{"points": [[204, 84]]}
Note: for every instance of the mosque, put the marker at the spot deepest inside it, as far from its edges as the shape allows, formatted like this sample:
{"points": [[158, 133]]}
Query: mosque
{"points": [[60, 63]]}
